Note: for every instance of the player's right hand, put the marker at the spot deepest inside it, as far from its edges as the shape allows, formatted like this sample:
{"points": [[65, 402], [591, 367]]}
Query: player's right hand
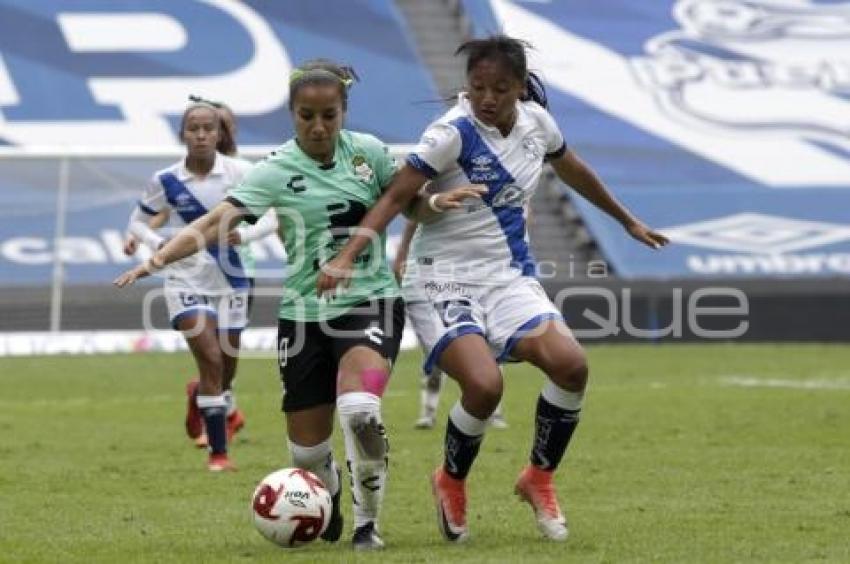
{"points": [[131, 245], [454, 198], [129, 277]]}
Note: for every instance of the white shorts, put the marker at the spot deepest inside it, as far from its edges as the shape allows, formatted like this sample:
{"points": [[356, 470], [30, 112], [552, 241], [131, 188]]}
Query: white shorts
{"points": [[231, 309], [442, 311]]}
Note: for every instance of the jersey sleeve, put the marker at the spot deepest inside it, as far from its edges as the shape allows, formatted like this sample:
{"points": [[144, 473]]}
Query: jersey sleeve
{"points": [[555, 144], [385, 166], [438, 147], [256, 193], [153, 198]]}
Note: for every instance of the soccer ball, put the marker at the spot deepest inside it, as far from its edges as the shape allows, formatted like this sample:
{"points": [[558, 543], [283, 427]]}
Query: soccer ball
{"points": [[291, 507]]}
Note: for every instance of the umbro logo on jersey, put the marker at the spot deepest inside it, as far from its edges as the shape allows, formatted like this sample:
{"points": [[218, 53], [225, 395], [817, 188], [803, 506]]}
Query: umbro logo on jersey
{"points": [[482, 163], [759, 234]]}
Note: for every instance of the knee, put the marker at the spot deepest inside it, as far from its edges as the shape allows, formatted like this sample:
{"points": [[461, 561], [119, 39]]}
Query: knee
{"points": [[485, 388], [576, 374], [570, 372]]}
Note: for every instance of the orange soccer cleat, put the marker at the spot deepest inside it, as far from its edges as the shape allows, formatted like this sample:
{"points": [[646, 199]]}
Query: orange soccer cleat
{"points": [[235, 422], [220, 463], [535, 487], [450, 497], [194, 421]]}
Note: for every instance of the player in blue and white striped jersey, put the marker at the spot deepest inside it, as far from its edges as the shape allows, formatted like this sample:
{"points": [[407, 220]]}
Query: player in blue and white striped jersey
{"points": [[470, 284], [207, 294]]}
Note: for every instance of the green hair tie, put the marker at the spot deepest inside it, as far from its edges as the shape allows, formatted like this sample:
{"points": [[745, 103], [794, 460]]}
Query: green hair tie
{"points": [[298, 74], [295, 75]]}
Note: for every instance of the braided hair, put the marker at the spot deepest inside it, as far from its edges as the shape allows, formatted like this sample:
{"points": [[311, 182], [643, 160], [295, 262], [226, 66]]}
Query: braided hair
{"points": [[510, 52]]}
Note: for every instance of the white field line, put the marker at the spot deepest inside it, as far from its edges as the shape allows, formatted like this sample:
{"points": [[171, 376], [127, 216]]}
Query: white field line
{"points": [[178, 399], [752, 382]]}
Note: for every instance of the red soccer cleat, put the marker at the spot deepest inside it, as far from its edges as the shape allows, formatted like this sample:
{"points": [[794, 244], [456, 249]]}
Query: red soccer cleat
{"points": [[194, 421], [535, 487], [220, 463], [235, 422], [450, 497]]}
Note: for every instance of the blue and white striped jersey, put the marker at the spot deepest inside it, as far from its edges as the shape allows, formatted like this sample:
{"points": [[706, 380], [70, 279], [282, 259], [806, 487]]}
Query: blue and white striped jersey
{"points": [[486, 241], [217, 270]]}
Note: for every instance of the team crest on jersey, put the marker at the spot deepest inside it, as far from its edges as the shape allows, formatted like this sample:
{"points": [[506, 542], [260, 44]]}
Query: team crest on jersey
{"points": [[362, 170], [532, 150], [510, 195], [754, 66]]}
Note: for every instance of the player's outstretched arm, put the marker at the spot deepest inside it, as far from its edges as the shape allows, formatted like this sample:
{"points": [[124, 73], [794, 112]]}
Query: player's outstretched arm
{"points": [[207, 229], [574, 172]]}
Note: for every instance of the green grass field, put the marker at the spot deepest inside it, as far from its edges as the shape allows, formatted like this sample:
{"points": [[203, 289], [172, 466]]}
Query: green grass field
{"points": [[715, 453]]}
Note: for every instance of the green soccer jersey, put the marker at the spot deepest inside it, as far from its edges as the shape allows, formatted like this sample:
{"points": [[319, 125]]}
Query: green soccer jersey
{"points": [[316, 207]]}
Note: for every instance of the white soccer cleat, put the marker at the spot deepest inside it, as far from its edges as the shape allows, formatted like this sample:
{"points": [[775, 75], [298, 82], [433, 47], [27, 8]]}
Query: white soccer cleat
{"points": [[425, 422]]}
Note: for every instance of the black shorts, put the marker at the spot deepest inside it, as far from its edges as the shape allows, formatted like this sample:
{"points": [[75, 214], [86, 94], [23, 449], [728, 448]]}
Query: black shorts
{"points": [[309, 351]]}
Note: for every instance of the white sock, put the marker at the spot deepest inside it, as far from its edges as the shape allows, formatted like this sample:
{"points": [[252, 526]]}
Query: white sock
{"points": [[366, 451], [467, 424], [319, 460], [562, 398]]}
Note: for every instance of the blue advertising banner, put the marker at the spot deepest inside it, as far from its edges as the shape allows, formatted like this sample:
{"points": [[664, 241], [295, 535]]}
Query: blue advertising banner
{"points": [[107, 73]]}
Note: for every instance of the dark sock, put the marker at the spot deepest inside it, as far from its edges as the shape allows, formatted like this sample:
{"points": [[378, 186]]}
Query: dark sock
{"points": [[461, 450], [553, 429], [214, 421]]}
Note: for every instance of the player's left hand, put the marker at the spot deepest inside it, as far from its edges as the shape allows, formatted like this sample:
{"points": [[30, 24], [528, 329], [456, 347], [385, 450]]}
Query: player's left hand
{"points": [[646, 235], [334, 274]]}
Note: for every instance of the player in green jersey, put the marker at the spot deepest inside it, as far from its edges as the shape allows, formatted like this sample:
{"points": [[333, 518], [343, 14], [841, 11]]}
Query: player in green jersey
{"points": [[335, 351]]}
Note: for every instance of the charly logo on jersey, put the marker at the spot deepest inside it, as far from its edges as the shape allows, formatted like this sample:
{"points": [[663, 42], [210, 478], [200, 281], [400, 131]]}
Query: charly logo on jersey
{"points": [[763, 244], [362, 170], [755, 66]]}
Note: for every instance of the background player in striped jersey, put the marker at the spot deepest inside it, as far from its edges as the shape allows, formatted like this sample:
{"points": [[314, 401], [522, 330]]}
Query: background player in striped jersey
{"points": [[244, 234], [472, 296], [207, 295]]}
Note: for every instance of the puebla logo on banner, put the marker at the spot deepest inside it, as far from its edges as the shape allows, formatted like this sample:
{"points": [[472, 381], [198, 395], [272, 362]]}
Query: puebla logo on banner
{"points": [[757, 69], [758, 87]]}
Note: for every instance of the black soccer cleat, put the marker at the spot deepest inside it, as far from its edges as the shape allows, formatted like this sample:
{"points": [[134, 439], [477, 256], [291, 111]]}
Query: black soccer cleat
{"points": [[367, 538], [334, 530]]}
